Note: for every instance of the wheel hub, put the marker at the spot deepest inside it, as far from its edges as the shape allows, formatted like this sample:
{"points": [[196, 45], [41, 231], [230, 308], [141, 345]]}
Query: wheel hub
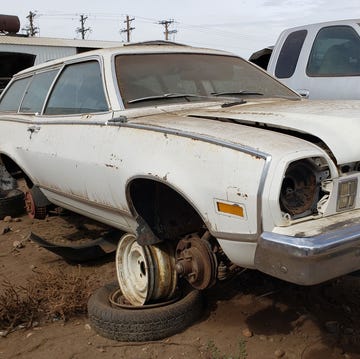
{"points": [[196, 262]]}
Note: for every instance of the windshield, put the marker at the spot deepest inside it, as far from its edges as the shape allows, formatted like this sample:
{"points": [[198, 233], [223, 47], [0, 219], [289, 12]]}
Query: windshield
{"points": [[148, 79]]}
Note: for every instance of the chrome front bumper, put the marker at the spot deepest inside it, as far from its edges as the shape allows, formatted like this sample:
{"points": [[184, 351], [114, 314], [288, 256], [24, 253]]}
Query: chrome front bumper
{"points": [[311, 259]]}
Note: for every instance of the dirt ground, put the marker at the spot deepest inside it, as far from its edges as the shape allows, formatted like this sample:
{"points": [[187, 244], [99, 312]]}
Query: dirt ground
{"points": [[250, 316]]}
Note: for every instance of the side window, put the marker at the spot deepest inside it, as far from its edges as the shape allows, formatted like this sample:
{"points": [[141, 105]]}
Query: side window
{"points": [[10, 101], [335, 52], [289, 54], [36, 93], [79, 89]]}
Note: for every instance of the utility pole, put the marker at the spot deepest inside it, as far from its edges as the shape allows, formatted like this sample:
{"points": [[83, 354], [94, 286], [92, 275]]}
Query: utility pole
{"points": [[82, 30], [31, 29], [166, 24], [128, 27]]}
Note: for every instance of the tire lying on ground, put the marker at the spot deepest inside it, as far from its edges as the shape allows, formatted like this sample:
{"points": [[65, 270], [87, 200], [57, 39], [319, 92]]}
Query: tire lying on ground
{"points": [[12, 203], [146, 323]]}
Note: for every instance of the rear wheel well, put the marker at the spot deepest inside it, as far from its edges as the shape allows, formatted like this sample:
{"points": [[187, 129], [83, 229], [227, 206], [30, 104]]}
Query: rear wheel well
{"points": [[14, 169], [168, 214]]}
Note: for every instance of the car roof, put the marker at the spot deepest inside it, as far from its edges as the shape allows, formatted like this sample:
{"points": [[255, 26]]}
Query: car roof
{"points": [[148, 47]]}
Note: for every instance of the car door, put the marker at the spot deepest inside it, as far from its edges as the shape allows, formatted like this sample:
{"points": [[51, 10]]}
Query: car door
{"points": [[70, 147]]}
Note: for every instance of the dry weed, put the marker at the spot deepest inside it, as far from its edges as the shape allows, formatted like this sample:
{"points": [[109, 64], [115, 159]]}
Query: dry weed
{"points": [[18, 306], [50, 294]]}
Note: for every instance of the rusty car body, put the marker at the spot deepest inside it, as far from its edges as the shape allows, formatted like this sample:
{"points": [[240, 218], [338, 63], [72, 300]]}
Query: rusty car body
{"points": [[196, 150]]}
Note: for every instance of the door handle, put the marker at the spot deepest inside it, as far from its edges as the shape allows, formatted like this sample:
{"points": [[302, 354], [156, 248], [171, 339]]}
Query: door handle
{"points": [[303, 93], [33, 129]]}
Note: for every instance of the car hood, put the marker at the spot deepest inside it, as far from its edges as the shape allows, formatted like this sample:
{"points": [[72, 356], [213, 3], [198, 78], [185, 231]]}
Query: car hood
{"points": [[336, 123]]}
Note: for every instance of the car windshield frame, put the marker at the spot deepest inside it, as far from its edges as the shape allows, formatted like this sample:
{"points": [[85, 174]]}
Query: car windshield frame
{"points": [[146, 79]]}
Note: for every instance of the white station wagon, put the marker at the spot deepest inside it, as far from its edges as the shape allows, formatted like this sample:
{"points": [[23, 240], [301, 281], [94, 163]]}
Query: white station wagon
{"points": [[203, 159]]}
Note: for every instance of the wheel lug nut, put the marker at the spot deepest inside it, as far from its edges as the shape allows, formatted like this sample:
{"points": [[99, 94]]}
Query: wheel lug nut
{"points": [[179, 268]]}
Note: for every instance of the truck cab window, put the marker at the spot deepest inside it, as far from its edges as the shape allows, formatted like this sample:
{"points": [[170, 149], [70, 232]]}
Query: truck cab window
{"points": [[335, 52], [289, 54]]}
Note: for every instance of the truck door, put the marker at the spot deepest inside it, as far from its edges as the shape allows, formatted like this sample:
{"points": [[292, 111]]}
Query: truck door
{"points": [[333, 69], [323, 64]]}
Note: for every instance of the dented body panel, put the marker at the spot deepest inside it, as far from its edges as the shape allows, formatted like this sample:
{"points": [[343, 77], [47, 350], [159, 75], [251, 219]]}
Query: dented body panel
{"points": [[236, 165]]}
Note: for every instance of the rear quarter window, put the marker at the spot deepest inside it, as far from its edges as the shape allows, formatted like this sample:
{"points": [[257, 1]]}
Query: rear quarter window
{"points": [[289, 54], [11, 99], [36, 92]]}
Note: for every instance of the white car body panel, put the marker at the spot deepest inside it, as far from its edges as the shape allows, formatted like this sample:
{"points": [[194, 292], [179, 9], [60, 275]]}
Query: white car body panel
{"points": [[205, 152]]}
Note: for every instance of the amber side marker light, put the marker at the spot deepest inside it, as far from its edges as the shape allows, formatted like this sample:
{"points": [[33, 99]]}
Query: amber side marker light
{"points": [[233, 209]]}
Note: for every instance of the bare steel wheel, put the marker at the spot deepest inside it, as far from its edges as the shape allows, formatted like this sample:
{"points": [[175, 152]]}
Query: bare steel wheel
{"points": [[146, 274]]}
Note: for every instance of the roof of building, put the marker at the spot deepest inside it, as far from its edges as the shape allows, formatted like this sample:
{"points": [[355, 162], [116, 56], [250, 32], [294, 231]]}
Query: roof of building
{"points": [[49, 41]]}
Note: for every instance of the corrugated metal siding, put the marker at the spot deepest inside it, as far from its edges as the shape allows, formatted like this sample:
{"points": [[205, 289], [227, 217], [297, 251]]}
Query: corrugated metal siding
{"points": [[43, 53], [46, 48], [48, 41]]}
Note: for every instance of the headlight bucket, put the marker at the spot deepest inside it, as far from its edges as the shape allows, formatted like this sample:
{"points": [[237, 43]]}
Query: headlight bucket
{"points": [[298, 189], [301, 187]]}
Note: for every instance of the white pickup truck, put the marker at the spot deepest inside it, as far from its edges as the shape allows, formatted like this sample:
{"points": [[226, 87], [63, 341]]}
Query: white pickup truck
{"points": [[319, 61]]}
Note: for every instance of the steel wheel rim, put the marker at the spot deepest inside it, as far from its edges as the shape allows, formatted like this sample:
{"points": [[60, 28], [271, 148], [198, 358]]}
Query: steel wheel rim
{"points": [[135, 283], [146, 274]]}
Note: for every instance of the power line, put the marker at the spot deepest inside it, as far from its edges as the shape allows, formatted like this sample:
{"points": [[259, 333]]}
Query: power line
{"points": [[220, 31], [82, 30], [31, 29], [166, 24], [128, 27]]}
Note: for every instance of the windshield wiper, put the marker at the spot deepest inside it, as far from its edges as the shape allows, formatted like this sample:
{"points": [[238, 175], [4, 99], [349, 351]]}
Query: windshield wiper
{"points": [[165, 96], [237, 93]]}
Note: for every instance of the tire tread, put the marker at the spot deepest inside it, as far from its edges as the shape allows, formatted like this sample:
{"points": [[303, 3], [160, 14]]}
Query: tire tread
{"points": [[142, 324]]}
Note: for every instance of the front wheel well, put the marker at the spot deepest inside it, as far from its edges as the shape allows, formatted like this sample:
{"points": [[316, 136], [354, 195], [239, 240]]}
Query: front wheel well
{"points": [[168, 214]]}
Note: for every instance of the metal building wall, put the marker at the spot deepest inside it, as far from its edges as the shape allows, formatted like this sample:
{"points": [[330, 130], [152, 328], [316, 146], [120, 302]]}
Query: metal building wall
{"points": [[43, 53]]}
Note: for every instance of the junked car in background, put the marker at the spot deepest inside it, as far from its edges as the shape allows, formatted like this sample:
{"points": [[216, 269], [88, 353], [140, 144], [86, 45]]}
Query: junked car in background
{"points": [[205, 160], [320, 61]]}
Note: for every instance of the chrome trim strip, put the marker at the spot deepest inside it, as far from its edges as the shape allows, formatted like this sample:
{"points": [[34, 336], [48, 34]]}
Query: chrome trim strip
{"points": [[205, 138], [86, 201], [115, 81]]}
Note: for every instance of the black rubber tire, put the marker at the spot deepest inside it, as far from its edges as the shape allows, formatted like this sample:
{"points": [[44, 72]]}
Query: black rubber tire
{"points": [[13, 204], [139, 325]]}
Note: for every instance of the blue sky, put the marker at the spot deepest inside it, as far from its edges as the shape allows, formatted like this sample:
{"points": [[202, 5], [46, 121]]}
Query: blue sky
{"points": [[241, 26]]}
